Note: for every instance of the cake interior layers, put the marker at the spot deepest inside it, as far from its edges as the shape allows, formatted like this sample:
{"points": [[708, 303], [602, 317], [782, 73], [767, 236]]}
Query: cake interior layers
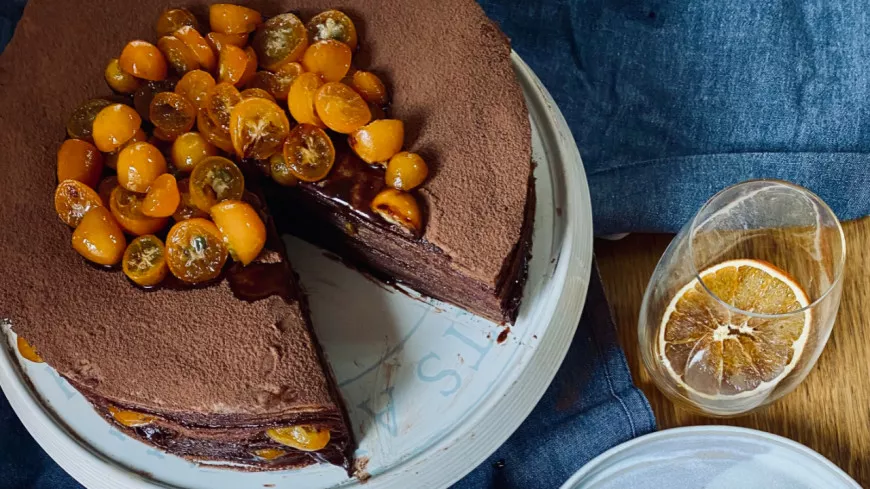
{"points": [[241, 444], [338, 217]]}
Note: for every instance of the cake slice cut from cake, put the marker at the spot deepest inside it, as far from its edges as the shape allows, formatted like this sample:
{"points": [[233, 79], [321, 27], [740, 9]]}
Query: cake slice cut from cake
{"points": [[207, 372]]}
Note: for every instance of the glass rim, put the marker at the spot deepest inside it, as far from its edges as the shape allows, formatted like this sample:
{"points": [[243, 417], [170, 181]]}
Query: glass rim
{"points": [[824, 205]]}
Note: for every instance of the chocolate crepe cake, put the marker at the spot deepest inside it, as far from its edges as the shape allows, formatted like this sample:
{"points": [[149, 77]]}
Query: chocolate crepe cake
{"points": [[212, 368]]}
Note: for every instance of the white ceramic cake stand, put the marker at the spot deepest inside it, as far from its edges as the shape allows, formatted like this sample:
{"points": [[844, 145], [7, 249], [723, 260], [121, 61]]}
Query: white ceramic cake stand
{"points": [[430, 389]]}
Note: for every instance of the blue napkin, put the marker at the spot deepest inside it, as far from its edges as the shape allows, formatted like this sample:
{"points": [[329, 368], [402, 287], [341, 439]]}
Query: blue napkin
{"points": [[672, 101], [590, 406]]}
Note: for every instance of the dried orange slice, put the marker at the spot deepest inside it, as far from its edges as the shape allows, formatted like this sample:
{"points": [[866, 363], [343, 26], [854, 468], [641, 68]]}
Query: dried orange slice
{"points": [[716, 352]]}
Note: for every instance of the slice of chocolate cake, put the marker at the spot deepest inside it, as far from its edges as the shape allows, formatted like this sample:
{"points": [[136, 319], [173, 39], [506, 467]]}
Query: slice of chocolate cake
{"points": [[217, 372]]}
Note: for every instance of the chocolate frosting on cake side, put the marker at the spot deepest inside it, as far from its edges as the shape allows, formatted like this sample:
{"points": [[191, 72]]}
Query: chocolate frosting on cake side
{"points": [[203, 350]]}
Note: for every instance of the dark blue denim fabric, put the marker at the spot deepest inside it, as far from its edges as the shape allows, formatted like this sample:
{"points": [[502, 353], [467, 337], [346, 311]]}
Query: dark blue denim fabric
{"points": [[673, 100], [590, 406]]}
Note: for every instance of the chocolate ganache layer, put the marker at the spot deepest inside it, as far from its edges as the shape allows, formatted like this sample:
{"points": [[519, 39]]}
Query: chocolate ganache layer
{"points": [[216, 366]]}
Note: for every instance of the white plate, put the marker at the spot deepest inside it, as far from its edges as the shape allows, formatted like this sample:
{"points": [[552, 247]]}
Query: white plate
{"points": [[430, 391], [710, 457]]}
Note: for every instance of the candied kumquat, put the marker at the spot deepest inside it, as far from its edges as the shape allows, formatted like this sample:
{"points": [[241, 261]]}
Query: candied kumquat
{"points": [[114, 125], [81, 122], [220, 103], [309, 153], [250, 67], [195, 251], [111, 159], [243, 231], [144, 261], [341, 108], [98, 237], [162, 198], [378, 141], [139, 165], [146, 93], [195, 86], [27, 351], [130, 419], [232, 63], [186, 209], [218, 40], [280, 171], [233, 19], [126, 207], [143, 60], [213, 180], [79, 160], [104, 189], [399, 208], [172, 113], [282, 39], [189, 149], [406, 171], [334, 25], [173, 19], [258, 128], [118, 79], [329, 59], [178, 54], [269, 453], [73, 199], [301, 437], [213, 133], [370, 87], [257, 93], [199, 46], [300, 99], [284, 77]]}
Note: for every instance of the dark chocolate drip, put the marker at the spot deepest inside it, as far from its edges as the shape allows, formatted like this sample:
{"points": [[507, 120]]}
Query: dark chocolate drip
{"points": [[352, 183], [258, 280]]}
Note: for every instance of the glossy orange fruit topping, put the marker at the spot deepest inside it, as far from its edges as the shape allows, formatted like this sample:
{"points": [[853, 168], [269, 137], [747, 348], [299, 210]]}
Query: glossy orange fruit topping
{"points": [[143, 60], [98, 237], [79, 160]]}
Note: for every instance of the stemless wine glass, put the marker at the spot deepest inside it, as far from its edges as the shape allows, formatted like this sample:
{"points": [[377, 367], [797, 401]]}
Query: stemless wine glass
{"points": [[742, 303]]}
